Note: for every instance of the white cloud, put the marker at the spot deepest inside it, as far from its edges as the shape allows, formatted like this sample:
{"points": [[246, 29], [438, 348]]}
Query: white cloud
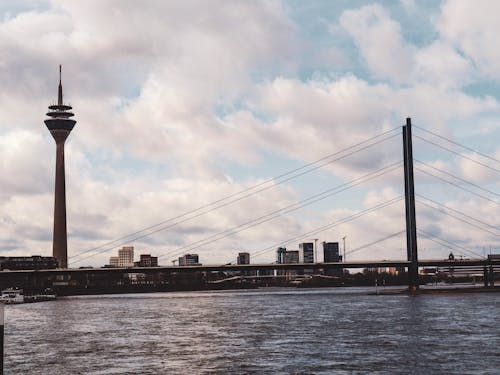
{"points": [[389, 56], [440, 64], [25, 160], [473, 28], [332, 115], [479, 169], [409, 5], [379, 40]]}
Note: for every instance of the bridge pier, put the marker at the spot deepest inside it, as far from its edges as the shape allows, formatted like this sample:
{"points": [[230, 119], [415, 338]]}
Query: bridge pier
{"points": [[489, 276]]}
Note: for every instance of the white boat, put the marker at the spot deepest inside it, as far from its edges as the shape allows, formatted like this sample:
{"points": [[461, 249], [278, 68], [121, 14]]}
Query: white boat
{"points": [[9, 296]]}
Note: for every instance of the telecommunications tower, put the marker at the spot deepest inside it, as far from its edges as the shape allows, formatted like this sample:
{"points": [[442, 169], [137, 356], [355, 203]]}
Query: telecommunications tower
{"points": [[60, 125]]}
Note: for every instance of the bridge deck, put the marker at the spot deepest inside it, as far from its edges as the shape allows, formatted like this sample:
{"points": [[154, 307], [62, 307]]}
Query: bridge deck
{"points": [[267, 266]]}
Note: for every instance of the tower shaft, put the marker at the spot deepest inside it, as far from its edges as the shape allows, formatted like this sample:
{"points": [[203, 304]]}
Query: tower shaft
{"points": [[60, 239]]}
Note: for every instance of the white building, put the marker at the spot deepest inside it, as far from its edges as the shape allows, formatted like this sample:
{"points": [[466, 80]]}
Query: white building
{"points": [[126, 256]]}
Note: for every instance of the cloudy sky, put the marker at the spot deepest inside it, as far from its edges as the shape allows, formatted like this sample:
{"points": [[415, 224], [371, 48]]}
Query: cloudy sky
{"points": [[195, 119]]}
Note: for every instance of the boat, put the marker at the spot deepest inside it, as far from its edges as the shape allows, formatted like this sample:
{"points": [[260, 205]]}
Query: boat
{"points": [[14, 296]]}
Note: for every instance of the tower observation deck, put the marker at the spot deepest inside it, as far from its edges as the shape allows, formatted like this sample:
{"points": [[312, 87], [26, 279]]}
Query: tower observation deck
{"points": [[60, 125]]}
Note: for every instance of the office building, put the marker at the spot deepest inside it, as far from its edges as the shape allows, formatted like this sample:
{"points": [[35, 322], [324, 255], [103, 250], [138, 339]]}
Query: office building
{"points": [[306, 252], [243, 258], [146, 260], [292, 256], [189, 260], [280, 255], [331, 252], [126, 256], [114, 261], [286, 256]]}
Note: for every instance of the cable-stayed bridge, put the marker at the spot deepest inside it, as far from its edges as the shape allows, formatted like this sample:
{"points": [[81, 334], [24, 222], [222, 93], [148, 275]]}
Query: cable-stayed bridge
{"points": [[410, 198], [174, 278]]}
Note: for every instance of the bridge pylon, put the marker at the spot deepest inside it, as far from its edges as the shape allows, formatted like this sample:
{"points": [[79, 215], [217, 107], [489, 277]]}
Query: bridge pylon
{"points": [[411, 225]]}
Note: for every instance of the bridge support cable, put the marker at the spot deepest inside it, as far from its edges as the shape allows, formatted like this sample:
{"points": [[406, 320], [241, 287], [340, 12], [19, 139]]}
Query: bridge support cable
{"points": [[277, 213], [411, 225], [444, 209], [456, 177], [448, 244], [362, 247], [458, 144], [285, 210], [459, 154], [458, 186], [328, 226], [461, 219], [240, 195]]}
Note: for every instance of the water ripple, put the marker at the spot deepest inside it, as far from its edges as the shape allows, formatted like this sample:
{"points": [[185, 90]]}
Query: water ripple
{"points": [[279, 331]]}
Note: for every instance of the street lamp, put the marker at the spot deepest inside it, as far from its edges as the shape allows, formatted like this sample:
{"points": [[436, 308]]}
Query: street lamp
{"points": [[343, 239]]}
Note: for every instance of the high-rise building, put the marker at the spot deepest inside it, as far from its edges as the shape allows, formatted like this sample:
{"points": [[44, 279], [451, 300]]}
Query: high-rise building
{"points": [[331, 252], [292, 256], [60, 125], [243, 258], [126, 256], [286, 256], [114, 261], [189, 260], [146, 260], [280, 255], [306, 252]]}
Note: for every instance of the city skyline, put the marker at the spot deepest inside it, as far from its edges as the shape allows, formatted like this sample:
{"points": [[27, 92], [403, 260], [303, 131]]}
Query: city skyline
{"points": [[186, 113]]}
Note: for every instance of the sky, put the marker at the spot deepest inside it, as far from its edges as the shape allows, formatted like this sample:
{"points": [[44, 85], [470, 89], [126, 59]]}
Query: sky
{"points": [[183, 104]]}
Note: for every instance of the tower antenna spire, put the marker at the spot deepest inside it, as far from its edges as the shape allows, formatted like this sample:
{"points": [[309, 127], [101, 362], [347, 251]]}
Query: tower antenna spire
{"points": [[60, 93]]}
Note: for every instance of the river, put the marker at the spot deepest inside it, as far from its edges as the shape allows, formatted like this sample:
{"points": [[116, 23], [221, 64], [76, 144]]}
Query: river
{"points": [[265, 331]]}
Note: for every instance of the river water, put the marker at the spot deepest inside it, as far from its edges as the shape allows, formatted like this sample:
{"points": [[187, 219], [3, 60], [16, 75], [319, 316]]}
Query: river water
{"points": [[265, 331]]}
